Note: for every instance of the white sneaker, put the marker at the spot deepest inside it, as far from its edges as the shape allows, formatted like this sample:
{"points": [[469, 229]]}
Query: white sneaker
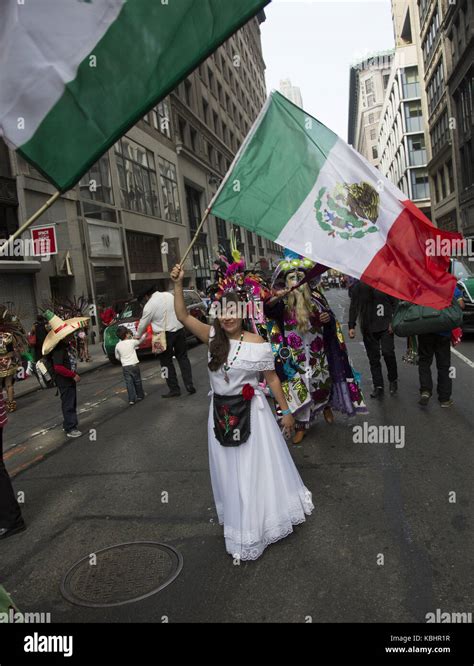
{"points": [[74, 433]]}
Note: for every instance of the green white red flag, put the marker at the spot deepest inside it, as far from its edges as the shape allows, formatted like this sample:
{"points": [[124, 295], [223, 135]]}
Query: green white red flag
{"points": [[298, 184]]}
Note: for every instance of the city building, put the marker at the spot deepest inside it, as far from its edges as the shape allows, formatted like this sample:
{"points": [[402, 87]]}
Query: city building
{"points": [[458, 26], [441, 167], [403, 137], [291, 92], [367, 85], [132, 216]]}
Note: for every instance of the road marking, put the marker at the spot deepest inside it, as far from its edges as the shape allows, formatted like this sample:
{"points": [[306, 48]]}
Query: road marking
{"points": [[463, 358]]}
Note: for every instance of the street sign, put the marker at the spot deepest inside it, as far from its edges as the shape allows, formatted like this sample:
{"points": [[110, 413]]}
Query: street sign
{"points": [[44, 240]]}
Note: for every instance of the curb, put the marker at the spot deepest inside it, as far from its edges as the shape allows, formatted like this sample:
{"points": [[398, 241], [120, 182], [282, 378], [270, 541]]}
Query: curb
{"points": [[81, 371]]}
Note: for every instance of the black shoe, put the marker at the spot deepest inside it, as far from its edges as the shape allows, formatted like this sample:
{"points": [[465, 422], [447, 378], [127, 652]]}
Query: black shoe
{"points": [[172, 394], [10, 531], [393, 387], [377, 392], [424, 398], [190, 389]]}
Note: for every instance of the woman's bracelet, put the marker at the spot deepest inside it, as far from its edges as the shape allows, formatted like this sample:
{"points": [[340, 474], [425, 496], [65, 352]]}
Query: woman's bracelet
{"points": [[285, 412]]}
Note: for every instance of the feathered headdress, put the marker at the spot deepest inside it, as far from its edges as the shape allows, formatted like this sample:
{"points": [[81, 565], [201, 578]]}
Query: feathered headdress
{"points": [[10, 323], [296, 262]]}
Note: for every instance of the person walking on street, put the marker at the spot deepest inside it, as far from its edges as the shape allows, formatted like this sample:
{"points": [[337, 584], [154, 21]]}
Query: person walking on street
{"points": [[60, 344], [375, 309], [159, 312], [11, 520], [436, 345], [126, 353]]}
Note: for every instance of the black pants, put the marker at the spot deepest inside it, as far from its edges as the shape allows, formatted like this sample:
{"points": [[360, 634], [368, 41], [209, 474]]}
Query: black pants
{"points": [[10, 513], [133, 382], [439, 346], [176, 345], [381, 342], [68, 395]]}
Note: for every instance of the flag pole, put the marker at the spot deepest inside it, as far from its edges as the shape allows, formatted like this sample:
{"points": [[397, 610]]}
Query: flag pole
{"points": [[196, 235], [29, 222]]}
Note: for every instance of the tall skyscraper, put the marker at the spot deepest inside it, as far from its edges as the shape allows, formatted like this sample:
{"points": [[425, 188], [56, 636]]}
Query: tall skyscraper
{"points": [[293, 93], [368, 82]]}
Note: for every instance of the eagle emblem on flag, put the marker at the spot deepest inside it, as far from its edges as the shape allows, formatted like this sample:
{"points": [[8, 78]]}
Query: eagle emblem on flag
{"points": [[349, 211]]}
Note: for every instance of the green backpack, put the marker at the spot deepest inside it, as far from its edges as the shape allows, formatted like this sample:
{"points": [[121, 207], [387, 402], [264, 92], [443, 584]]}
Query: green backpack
{"points": [[410, 319]]}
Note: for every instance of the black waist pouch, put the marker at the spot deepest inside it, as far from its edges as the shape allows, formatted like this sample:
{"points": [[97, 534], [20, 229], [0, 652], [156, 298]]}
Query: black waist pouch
{"points": [[231, 419]]}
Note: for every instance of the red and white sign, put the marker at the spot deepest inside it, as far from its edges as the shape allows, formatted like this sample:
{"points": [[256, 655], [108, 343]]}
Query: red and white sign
{"points": [[44, 241]]}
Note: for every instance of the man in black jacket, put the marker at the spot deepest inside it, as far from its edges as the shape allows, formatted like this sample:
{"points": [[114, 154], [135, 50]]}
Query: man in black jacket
{"points": [[375, 311]]}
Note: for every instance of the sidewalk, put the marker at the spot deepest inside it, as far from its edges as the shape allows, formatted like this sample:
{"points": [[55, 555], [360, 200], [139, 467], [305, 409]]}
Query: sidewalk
{"points": [[99, 359]]}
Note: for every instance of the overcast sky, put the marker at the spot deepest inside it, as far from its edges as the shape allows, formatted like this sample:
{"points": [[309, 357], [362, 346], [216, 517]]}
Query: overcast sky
{"points": [[314, 42]]}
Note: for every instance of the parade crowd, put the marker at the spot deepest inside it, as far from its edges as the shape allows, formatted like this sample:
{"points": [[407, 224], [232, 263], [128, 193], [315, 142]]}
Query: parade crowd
{"points": [[271, 341]]}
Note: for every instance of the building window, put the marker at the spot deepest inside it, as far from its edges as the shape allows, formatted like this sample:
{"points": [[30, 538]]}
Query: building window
{"points": [[211, 80], [144, 252], [96, 184], [373, 134], [375, 153], [161, 118], [416, 150], [200, 250], [194, 141], [419, 184], [410, 82], [449, 171], [442, 180], [188, 86], [137, 177], [370, 100], [217, 128], [435, 87], [371, 118], [169, 191], [222, 238], [440, 133], [205, 111], [413, 116], [369, 86], [467, 164]]}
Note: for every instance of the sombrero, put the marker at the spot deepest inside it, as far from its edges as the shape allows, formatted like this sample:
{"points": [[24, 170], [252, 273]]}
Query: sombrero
{"points": [[60, 329]]}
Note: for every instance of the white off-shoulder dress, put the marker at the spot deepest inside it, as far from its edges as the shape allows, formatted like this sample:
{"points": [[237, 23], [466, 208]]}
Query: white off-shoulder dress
{"points": [[258, 492]]}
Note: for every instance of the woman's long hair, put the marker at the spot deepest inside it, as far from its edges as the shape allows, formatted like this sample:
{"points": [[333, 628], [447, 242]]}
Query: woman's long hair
{"points": [[220, 344]]}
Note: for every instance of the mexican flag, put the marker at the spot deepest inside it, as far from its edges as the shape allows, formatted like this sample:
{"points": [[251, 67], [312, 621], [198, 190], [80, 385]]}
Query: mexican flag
{"points": [[75, 75], [298, 184]]}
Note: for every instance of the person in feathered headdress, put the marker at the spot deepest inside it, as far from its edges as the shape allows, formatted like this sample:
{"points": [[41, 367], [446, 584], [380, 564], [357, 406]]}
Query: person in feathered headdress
{"points": [[309, 347], [13, 343]]}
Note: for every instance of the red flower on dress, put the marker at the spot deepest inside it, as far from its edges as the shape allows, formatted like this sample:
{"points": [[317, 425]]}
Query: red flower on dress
{"points": [[248, 392]]}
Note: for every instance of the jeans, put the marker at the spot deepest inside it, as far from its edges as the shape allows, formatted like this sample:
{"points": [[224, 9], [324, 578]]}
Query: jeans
{"points": [[10, 513], [176, 345], [382, 341], [133, 382], [68, 395], [439, 346]]}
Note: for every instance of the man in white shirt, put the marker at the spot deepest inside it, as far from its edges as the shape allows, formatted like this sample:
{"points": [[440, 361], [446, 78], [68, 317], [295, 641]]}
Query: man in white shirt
{"points": [[159, 312]]}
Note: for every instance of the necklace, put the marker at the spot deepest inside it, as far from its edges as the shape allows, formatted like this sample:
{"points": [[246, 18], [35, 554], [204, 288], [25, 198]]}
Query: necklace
{"points": [[227, 367]]}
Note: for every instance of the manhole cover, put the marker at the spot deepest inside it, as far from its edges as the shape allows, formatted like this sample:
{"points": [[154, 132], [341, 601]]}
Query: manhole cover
{"points": [[121, 574]]}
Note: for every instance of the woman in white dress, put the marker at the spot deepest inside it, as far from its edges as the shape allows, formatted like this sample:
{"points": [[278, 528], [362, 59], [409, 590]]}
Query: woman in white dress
{"points": [[258, 492]]}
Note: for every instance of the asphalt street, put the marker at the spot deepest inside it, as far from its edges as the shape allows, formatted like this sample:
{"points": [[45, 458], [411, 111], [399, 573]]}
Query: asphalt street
{"points": [[371, 500]]}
